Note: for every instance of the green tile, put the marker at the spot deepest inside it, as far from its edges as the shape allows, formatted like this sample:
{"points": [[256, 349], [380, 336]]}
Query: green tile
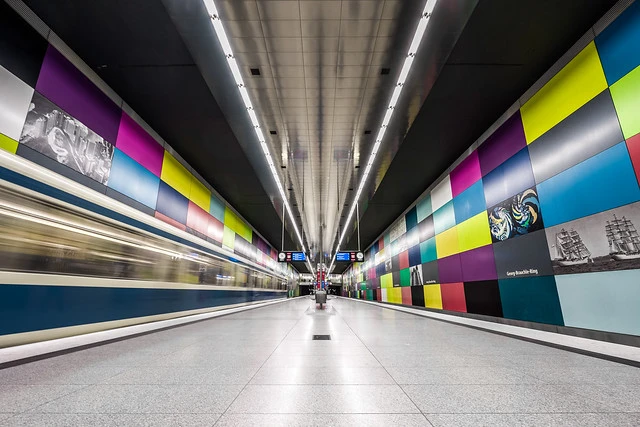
{"points": [[626, 97]]}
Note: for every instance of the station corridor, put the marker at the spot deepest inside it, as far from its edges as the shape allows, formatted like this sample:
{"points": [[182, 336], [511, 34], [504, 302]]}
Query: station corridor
{"points": [[261, 367]]}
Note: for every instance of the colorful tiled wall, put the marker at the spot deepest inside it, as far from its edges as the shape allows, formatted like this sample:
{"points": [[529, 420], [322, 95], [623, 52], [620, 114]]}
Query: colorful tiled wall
{"points": [[52, 114], [540, 222]]}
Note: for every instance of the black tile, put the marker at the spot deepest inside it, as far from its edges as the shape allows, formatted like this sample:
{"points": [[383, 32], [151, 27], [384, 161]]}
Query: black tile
{"points": [[22, 49], [483, 297], [523, 256], [417, 296]]}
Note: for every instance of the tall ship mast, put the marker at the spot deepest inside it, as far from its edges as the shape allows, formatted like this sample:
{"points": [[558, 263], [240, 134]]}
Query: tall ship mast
{"points": [[570, 248], [624, 242]]}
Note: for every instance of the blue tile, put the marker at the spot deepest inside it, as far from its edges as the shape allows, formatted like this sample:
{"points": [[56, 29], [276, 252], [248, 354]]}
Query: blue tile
{"points": [[172, 204], [604, 301], [618, 44], [414, 255], [444, 218], [411, 218], [532, 299], [133, 180], [600, 183], [508, 179], [470, 202]]}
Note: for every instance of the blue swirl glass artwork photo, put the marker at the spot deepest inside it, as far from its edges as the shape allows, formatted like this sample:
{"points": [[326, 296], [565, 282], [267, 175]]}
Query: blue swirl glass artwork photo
{"points": [[516, 216]]}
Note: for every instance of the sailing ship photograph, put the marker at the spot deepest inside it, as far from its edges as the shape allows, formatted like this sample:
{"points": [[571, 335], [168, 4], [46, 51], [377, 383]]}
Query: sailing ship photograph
{"points": [[602, 242]]}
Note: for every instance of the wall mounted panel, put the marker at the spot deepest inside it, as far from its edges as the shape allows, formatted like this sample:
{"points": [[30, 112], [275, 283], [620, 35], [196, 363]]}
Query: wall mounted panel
{"points": [[432, 296], [633, 145], [483, 298], [618, 44], [523, 256], [474, 232], [465, 174], [423, 208], [450, 269], [430, 273], [447, 243], [417, 296], [428, 250], [444, 218], [8, 144], [601, 242], [577, 83], [470, 202], [15, 99], [478, 264], [176, 175], [590, 130], [511, 177], [134, 181], [171, 203], [197, 218], [602, 182], [22, 49], [626, 97], [605, 301], [532, 299], [502, 144], [136, 143], [453, 297], [441, 194], [66, 86]]}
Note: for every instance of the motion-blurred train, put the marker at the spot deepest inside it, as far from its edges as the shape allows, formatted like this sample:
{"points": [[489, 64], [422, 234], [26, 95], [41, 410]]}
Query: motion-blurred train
{"points": [[74, 260]]}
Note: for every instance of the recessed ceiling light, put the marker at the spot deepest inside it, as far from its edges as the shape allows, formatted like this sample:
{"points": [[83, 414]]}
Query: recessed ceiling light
{"points": [[255, 71]]}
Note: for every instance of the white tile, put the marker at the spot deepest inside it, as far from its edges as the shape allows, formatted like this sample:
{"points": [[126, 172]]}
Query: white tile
{"points": [[441, 194], [14, 104]]}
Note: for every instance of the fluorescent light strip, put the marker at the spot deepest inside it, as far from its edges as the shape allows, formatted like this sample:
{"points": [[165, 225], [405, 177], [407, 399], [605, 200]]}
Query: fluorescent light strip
{"points": [[212, 10], [404, 73]]}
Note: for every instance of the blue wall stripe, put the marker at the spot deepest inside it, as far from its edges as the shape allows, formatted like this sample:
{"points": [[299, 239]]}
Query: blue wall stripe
{"points": [[26, 308], [600, 183]]}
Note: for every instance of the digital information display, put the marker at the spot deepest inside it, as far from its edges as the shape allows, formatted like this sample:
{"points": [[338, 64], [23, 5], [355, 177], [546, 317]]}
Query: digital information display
{"points": [[350, 256], [291, 256]]}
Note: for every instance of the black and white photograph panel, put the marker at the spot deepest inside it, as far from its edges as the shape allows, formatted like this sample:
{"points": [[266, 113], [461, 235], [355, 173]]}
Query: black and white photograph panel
{"points": [[51, 131]]}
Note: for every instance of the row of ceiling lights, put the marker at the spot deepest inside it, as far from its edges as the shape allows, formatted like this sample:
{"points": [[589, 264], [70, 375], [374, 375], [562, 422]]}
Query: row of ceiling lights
{"points": [[406, 67], [235, 70]]}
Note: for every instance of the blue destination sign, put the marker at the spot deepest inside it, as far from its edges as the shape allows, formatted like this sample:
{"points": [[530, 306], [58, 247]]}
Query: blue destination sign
{"points": [[343, 256]]}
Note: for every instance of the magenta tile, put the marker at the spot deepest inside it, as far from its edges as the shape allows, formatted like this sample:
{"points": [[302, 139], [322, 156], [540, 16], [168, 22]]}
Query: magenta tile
{"points": [[478, 264], [139, 145], [449, 269], [465, 174], [506, 141], [64, 85]]}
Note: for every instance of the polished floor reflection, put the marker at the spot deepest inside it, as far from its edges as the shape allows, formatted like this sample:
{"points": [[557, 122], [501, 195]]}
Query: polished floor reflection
{"points": [[262, 368]]}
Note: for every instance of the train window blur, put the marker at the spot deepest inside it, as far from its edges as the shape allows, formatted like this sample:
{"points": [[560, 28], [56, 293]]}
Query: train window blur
{"points": [[39, 236]]}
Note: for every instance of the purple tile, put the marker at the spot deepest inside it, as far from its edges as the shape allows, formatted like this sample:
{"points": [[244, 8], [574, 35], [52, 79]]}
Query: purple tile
{"points": [[506, 141], [139, 145], [64, 85], [478, 264], [449, 269], [465, 174]]}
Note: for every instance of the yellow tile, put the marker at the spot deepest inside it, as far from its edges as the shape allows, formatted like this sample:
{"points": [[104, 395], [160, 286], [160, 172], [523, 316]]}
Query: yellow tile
{"points": [[386, 280], [447, 243], [394, 295], [228, 238], [8, 144], [474, 232], [199, 194], [432, 296], [234, 222], [176, 175], [576, 84]]}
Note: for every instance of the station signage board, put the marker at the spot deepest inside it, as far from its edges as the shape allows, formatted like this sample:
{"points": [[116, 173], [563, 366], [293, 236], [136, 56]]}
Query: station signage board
{"points": [[291, 256], [349, 257]]}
